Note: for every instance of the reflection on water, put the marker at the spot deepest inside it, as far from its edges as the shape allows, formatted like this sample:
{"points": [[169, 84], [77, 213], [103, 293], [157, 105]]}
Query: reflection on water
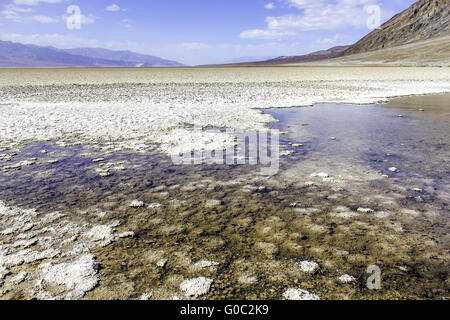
{"points": [[416, 141], [337, 202], [409, 134]]}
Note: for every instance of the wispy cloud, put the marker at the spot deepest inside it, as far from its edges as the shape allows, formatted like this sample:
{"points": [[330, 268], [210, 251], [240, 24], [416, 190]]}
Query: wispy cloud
{"points": [[313, 16], [126, 23], [8, 14], [13, 12], [34, 2], [270, 5], [45, 19], [113, 7]]}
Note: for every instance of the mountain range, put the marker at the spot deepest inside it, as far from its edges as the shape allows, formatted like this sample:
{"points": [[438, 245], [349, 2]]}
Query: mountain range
{"points": [[20, 55]]}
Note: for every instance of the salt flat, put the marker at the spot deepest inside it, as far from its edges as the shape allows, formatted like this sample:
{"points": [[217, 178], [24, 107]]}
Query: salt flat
{"points": [[71, 215], [137, 109]]}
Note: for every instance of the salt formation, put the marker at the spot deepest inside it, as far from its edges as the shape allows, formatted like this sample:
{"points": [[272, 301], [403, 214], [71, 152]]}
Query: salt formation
{"points": [[308, 266], [136, 204], [365, 210], [196, 287], [172, 110], [47, 255], [346, 278], [211, 203], [70, 279], [205, 264], [299, 294]]}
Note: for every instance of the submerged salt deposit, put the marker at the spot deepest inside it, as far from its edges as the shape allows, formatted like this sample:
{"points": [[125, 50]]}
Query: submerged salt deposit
{"points": [[48, 255], [196, 287], [300, 294]]}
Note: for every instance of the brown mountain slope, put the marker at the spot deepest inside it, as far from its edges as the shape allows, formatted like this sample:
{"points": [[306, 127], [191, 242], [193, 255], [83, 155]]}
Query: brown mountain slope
{"points": [[423, 20]]}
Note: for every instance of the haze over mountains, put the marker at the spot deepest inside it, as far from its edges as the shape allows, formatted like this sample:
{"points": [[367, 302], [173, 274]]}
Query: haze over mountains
{"points": [[31, 56]]}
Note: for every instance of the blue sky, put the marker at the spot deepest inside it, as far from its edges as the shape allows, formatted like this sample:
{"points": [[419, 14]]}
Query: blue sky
{"points": [[196, 31]]}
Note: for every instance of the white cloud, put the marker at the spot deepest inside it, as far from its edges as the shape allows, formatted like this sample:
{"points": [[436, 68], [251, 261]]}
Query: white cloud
{"points": [[18, 9], [34, 2], [113, 7], [270, 5], [313, 16], [45, 19], [12, 15]]}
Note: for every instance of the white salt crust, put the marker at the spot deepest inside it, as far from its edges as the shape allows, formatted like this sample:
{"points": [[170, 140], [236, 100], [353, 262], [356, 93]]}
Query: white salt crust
{"points": [[57, 244], [174, 111]]}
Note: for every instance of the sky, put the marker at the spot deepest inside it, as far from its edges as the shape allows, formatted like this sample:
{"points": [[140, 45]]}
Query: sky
{"points": [[195, 32]]}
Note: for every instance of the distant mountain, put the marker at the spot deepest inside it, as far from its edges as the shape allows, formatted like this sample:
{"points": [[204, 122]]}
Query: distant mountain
{"points": [[19, 55], [131, 58], [424, 20], [312, 57], [31, 56]]}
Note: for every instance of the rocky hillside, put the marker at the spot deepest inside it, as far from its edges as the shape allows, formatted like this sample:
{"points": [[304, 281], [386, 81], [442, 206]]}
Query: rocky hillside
{"points": [[423, 20]]}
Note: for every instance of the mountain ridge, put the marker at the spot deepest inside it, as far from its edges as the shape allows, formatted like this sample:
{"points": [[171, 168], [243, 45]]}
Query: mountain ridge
{"points": [[17, 55], [140, 60]]}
